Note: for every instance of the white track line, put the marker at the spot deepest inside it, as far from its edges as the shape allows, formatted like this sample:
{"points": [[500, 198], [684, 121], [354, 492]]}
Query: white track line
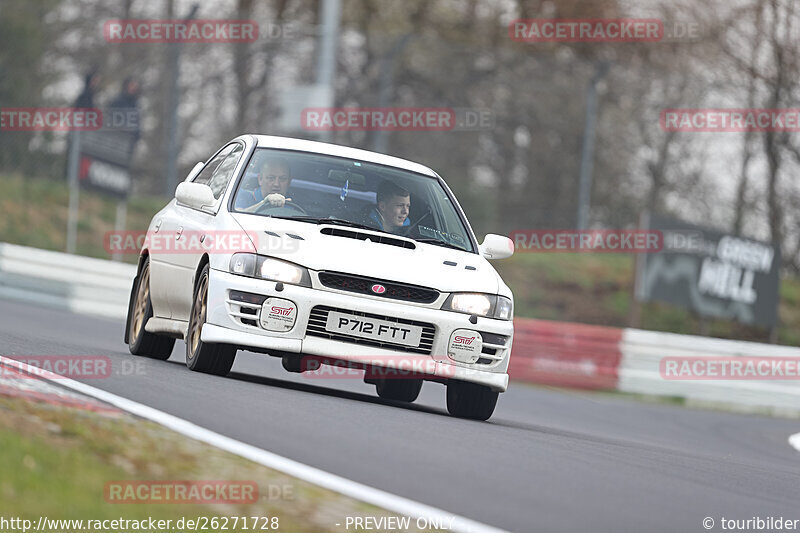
{"points": [[364, 493], [794, 441]]}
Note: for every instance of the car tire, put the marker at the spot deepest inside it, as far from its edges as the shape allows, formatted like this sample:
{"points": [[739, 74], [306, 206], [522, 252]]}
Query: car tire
{"points": [[141, 342], [401, 390], [469, 400], [203, 357]]}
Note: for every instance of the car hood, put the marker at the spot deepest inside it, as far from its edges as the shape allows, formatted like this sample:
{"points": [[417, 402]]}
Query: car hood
{"points": [[305, 244]]}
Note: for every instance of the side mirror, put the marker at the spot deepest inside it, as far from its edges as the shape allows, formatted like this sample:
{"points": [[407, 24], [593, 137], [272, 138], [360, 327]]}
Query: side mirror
{"points": [[496, 247], [195, 171], [195, 195]]}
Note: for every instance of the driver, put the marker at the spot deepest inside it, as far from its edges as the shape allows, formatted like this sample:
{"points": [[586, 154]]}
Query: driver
{"points": [[393, 206], [273, 183]]}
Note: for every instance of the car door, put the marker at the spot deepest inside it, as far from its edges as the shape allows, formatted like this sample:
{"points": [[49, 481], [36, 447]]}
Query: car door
{"points": [[194, 226], [160, 243], [160, 268]]}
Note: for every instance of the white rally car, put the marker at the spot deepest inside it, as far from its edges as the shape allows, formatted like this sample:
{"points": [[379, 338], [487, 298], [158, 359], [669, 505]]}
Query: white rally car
{"points": [[323, 255]]}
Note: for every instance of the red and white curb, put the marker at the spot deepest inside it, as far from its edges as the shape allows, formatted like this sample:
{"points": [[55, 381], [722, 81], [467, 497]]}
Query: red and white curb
{"points": [[15, 382]]}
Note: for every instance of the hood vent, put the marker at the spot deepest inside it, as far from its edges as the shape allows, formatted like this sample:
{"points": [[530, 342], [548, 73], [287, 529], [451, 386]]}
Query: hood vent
{"points": [[381, 239]]}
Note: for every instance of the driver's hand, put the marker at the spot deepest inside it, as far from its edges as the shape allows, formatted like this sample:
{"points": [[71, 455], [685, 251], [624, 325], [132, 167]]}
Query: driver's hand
{"points": [[272, 200], [275, 199]]}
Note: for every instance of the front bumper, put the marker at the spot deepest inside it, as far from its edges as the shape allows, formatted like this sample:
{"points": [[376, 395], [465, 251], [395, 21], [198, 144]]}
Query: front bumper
{"points": [[226, 323]]}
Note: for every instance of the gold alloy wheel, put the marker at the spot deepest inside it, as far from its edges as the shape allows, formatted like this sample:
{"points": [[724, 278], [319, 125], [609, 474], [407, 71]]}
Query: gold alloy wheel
{"points": [[198, 315], [142, 295]]}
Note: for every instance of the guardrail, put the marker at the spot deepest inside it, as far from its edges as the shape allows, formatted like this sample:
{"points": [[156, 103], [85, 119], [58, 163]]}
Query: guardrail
{"points": [[565, 354], [80, 284], [547, 352], [640, 372], [629, 360]]}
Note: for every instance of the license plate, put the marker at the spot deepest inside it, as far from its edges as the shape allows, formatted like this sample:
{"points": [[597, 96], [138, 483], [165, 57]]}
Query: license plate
{"points": [[373, 328]]}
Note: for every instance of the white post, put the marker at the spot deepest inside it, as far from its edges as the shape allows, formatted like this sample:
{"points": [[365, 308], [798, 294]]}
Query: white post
{"points": [[326, 61], [119, 225], [74, 190]]}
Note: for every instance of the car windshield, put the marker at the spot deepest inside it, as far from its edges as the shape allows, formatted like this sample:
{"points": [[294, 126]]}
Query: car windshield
{"points": [[318, 188]]}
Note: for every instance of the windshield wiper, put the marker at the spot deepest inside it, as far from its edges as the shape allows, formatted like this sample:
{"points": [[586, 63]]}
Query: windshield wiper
{"points": [[312, 220], [437, 242], [333, 221]]}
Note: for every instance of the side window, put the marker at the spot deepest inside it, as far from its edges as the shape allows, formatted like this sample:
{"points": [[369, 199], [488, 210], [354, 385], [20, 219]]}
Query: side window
{"points": [[224, 172], [205, 175]]}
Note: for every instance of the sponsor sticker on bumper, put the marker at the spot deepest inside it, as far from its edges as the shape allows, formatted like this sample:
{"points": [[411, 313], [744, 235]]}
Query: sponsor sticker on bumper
{"points": [[278, 314], [465, 346]]}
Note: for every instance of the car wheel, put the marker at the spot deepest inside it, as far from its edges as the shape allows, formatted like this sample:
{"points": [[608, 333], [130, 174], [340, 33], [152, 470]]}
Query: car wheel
{"points": [[401, 390], [140, 341], [214, 359], [468, 400]]}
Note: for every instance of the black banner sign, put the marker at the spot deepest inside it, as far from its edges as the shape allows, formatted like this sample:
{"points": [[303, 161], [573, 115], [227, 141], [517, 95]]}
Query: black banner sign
{"points": [[713, 273]]}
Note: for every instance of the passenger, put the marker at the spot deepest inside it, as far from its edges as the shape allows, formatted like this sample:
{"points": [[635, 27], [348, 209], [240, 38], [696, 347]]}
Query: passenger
{"points": [[393, 206]]}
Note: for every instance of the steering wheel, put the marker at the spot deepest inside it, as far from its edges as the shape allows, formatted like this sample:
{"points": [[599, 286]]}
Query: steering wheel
{"points": [[287, 209], [407, 231]]}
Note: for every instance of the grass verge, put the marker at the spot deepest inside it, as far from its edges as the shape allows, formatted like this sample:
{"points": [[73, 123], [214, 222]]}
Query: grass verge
{"points": [[56, 462]]}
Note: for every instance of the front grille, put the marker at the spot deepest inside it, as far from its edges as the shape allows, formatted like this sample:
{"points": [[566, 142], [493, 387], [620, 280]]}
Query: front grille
{"points": [[319, 316], [244, 304], [363, 285], [247, 311], [491, 338]]}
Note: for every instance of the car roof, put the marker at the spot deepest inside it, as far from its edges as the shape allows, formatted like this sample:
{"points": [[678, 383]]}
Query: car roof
{"points": [[302, 145]]}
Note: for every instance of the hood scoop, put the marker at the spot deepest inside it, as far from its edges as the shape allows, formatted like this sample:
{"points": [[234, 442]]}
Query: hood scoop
{"points": [[361, 236], [290, 235]]}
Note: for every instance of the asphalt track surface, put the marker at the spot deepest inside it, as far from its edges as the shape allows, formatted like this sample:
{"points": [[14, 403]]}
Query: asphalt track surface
{"points": [[548, 460]]}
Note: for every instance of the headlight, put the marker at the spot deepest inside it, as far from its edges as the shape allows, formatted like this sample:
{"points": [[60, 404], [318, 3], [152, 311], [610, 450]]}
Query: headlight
{"points": [[503, 309], [488, 305], [277, 270], [259, 266], [473, 304]]}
